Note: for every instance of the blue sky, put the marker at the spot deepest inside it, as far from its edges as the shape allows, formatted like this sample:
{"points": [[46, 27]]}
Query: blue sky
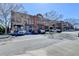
{"points": [[69, 10]]}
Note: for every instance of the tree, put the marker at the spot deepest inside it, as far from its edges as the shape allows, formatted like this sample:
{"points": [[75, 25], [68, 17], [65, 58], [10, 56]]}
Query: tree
{"points": [[73, 21], [2, 30], [53, 15], [5, 12]]}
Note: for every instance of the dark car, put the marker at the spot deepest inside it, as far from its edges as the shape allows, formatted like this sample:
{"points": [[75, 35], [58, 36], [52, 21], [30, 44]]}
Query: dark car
{"points": [[35, 32]]}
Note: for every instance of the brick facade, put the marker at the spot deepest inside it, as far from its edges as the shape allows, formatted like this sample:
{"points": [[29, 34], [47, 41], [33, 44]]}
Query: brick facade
{"points": [[35, 22]]}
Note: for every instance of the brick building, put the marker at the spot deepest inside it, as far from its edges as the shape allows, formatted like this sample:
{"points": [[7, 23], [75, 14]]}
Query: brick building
{"points": [[27, 22], [34, 22]]}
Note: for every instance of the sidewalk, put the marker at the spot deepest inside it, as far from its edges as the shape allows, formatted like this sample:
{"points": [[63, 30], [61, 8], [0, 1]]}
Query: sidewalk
{"points": [[4, 36]]}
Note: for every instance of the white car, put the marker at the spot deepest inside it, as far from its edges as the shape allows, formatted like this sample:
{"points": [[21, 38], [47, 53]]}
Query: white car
{"points": [[55, 30], [42, 31], [58, 30]]}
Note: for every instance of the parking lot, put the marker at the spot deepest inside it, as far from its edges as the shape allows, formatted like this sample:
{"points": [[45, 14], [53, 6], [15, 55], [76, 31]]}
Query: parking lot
{"points": [[65, 43]]}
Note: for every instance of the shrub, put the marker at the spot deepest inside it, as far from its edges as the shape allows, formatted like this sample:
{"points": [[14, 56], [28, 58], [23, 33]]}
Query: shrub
{"points": [[2, 29]]}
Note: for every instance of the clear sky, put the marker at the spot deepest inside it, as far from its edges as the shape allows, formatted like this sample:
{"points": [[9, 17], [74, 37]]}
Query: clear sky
{"points": [[69, 10]]}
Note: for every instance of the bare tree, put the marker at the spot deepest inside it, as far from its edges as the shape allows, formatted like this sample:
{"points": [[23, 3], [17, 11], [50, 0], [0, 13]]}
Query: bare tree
{"points": [[53, 15], [5, 12], [72, 21]]}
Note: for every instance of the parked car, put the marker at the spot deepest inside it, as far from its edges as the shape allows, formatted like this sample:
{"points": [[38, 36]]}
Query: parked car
{"points": [[55, 30], [42, 31], [39, 31], [27, 33], [58, 30], [52, 30], [18, 33], [47, 30], [35, 32]]}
